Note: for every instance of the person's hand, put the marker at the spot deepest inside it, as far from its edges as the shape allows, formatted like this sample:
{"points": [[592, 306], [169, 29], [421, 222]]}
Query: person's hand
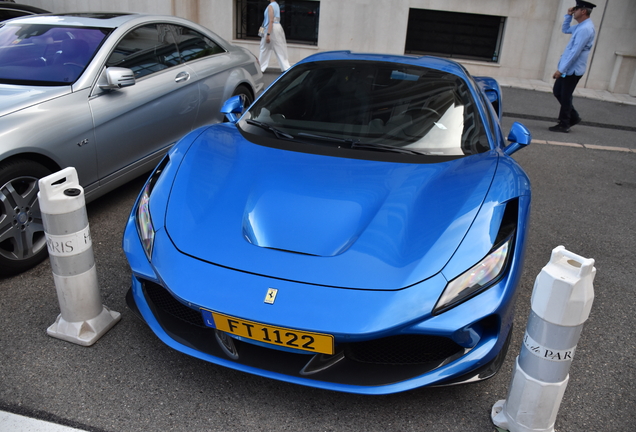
{"points": [[571, 10], [267, 38], [556, 75]]}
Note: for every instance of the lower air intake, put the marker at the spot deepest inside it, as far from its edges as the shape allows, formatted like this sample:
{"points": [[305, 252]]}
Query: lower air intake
{"points": [[403, 350]]}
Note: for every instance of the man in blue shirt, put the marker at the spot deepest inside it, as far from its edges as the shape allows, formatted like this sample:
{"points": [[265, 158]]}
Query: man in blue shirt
{"points": [[573, 62]]}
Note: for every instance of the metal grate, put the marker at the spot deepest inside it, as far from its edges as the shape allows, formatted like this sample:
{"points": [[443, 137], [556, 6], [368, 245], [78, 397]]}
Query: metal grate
{"points": [[455, 34], [299, 19], [402, 350], [164, 301]]}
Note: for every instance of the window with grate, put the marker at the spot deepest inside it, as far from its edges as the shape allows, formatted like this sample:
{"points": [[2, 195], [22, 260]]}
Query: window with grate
{"points": [[299, 19], [454, 34]]}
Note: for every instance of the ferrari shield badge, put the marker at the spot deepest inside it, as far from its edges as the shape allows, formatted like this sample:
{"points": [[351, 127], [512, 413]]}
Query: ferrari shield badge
{"points": [[270, 298]]}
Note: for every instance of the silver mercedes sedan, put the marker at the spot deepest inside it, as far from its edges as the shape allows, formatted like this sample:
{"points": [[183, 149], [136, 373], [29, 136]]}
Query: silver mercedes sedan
{"points": [[106, 93]]}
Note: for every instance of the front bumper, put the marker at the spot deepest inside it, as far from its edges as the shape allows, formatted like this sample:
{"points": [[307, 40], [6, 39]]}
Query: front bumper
{"points": [[386, 341]]}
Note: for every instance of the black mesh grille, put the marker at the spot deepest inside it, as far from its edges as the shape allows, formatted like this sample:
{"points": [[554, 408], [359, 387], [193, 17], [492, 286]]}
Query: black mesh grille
{"points": [[164, 301], [403, 350]]}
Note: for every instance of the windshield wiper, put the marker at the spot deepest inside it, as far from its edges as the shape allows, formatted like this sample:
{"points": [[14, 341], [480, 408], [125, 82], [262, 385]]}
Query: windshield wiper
{"points": [[326, 138], [376, 146], [279, 134], [354, 143]]}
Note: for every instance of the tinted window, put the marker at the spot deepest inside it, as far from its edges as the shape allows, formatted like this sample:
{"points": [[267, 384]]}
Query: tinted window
{"points": [[46, 54], [146, 50], [407, 108], [193, 45], [489, 110], [299, 18], [454, 34]]}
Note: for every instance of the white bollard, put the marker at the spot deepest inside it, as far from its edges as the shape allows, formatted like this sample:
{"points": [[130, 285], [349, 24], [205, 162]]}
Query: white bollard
{"points": [[561, 302], [83, 318]]}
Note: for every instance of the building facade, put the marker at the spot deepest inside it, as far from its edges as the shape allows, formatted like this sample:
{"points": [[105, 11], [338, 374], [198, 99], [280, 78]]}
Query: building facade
{"points": [[499, 38]]}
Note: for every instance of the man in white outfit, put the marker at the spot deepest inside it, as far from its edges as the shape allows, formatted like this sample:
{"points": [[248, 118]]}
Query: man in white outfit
{"points": [[273, 39]]}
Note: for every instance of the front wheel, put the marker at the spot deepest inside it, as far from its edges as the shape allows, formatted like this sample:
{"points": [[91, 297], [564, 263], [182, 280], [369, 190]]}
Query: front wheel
{"points": [[22, 240]]}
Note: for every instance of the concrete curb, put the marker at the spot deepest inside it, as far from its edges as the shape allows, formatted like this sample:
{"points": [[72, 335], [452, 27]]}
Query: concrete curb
{"points": [[16, 423], [585, 146]]}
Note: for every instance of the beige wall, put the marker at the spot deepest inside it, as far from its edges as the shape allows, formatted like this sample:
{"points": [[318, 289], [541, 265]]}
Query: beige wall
{"points": [[618, 34], [532, 44]]}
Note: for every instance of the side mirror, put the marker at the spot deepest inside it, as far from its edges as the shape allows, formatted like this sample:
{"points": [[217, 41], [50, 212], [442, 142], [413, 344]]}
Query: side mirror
{"points": [[116, 77], [519, 137], [233, 108]]}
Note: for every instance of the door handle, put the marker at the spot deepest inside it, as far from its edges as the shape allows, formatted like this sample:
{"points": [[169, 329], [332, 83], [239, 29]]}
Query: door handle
{"points": [[182, 76]]}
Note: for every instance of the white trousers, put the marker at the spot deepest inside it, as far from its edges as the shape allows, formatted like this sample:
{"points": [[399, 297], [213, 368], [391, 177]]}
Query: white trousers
{"points": [[277, 44]]}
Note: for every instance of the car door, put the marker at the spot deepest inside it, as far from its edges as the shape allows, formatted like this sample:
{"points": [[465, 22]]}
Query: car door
{"points": [[132, 123], [212, 65]]}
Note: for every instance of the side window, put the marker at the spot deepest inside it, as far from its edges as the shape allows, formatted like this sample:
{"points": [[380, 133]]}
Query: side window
{"points": [[193, 45], [488, 109], [146, 50], [489, 114]]}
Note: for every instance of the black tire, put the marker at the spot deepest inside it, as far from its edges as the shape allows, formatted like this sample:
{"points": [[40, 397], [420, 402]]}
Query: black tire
{"points": [[22, 240]]}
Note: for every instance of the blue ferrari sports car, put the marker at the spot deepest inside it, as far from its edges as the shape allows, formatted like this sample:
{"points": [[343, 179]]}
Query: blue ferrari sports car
{"points": [[360, 227]]}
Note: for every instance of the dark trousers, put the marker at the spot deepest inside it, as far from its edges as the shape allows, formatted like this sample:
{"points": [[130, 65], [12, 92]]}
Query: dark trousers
{"points": [[563, 90]]}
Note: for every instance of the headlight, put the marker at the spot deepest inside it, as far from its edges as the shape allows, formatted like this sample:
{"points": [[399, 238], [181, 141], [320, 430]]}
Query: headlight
{"points": [[144, 221], [145, 229], [476, 279]]}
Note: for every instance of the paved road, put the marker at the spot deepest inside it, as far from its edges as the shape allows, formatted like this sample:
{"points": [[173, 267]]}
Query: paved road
{"points": [[584, 199]]}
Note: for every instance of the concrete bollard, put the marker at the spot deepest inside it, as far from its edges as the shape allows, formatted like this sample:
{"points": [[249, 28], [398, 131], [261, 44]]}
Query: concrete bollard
{"points": [[561, 302], [83, 318]]}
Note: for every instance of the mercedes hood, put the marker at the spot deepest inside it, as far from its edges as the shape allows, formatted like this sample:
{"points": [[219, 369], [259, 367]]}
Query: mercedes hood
{"points": [[16, 97]]}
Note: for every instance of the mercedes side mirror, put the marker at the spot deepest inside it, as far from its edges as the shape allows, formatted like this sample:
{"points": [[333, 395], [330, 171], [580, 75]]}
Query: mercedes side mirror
{"points": [[116, 78]]}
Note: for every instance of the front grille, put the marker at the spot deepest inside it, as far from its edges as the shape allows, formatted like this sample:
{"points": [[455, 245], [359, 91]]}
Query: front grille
{"points": [[403, 350], [164, 301], [376, 362]]}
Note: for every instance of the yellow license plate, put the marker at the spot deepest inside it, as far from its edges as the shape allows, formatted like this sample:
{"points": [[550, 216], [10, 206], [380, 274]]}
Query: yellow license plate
{"points": [[284, 337]]}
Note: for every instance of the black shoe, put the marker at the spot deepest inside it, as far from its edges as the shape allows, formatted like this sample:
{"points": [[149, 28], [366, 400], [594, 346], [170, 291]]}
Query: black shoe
{"points": [[575, 121], [559, 128]]}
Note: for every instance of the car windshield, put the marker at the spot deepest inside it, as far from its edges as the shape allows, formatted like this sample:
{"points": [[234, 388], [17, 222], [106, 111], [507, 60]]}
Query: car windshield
{"points": [[378, 106], [37, 54]]}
